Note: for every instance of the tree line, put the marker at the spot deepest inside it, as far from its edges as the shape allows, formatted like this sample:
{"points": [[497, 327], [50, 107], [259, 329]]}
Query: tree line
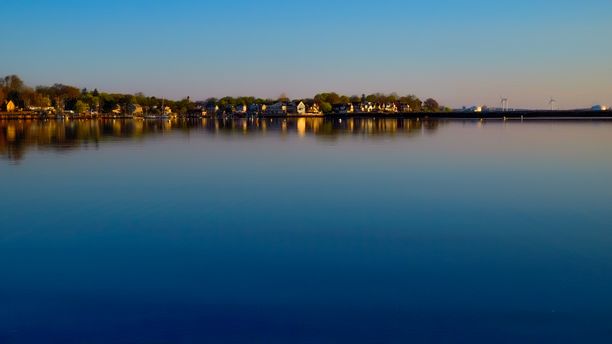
{"points": [[62, 97]]}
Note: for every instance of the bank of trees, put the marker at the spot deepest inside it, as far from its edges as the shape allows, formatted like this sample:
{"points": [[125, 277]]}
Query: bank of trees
{"points": [[70, 98]]}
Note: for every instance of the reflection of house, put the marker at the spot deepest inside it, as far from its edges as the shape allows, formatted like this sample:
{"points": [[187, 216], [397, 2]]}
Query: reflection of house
{"points": [[9, 106]]}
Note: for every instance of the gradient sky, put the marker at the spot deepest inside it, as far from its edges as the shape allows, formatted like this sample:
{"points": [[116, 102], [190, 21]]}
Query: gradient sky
{"points": [[460, 52]]}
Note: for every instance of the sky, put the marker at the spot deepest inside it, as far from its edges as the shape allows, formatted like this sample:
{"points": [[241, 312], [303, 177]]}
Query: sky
{"points": [[462, 53]]}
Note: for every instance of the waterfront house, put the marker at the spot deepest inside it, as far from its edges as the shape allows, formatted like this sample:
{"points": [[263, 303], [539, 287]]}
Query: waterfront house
{"points": [[292, 108], [312, 108], [212, 109], [277, 109], [387, 107], [301, 108], [363, 107], [240, 109], [254, 109], [229, 109], [117, 110], [297, 107], [9, 106], [135, 109], [404, 107], [343, 108]]}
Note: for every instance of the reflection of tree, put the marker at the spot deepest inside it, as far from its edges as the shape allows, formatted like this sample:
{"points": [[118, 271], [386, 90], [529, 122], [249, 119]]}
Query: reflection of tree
{"points": [[16, 137]]}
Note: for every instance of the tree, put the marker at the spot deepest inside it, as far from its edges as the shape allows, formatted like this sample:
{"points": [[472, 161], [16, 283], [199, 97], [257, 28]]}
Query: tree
{"points": [[415, 103], [81, 107], [325, 107], [13, 83], [431, 105]]}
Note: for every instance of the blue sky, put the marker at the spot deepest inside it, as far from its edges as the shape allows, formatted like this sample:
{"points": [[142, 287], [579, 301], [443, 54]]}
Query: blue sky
{"points": [[460, 52]]}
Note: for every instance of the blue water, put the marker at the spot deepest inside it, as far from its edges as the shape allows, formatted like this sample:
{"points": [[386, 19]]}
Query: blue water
{"points": [[306, 231]]}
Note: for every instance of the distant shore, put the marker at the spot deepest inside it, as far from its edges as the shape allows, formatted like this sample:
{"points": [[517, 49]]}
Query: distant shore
{"points": [[509, 115]]}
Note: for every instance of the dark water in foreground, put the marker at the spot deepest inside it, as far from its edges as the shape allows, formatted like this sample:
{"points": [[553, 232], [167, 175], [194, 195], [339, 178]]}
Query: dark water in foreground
{"points": [[308, 231]]}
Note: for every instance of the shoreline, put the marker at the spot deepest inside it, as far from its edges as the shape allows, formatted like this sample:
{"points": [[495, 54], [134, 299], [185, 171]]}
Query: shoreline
{"points": [[508, 115]]}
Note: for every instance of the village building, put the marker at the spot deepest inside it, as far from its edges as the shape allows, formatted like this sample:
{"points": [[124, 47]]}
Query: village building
{"points": [[312, 108], [9, 106], [301, 108], [297, 107], [117, 110], [599, 108], [404, 107], [363, 107], [212, 109], [387, 107], [343, 108], [135, 109], [240, 109], [276, 109]]}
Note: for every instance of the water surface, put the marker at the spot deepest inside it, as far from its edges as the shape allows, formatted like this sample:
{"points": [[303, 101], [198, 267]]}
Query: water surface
{"points": [[305, 230]]}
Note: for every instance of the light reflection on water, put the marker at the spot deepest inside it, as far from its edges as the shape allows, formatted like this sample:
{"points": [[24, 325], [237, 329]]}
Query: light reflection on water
{"points": [[305, 230], [16, 137]]}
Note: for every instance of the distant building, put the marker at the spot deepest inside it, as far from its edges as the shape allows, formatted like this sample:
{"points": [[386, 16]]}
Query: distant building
{"points": [[297, 107], [312, 108], [240, 109], [9, 106], [404, 108], [387, 107], [473, 109], [117, 110], [343, 108], [135, 109], [599, 108], [257, 109], [277, 109], [364, 107], [212, 109]]}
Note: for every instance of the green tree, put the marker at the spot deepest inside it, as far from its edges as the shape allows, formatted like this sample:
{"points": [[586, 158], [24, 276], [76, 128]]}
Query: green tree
{"points": [[431, 105], [325, 107], [81, 107]]}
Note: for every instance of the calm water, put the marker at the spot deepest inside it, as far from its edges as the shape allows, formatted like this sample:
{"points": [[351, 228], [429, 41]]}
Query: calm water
{"points": [[309, 231]]}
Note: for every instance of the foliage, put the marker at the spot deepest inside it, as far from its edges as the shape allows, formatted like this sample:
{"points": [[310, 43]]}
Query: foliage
{"points": [[431, 105], [66, 97]]}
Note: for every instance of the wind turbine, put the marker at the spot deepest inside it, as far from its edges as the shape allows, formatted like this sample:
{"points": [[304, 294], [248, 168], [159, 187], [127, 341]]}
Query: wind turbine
{"points": [[552, 103], [504, 103]]}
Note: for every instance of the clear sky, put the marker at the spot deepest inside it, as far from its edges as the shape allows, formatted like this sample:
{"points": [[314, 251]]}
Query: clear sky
{"points": [[460, 52]]}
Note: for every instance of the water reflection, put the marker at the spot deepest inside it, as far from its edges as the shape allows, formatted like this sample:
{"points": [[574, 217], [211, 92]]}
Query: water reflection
{"points": [[16, 137]]}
